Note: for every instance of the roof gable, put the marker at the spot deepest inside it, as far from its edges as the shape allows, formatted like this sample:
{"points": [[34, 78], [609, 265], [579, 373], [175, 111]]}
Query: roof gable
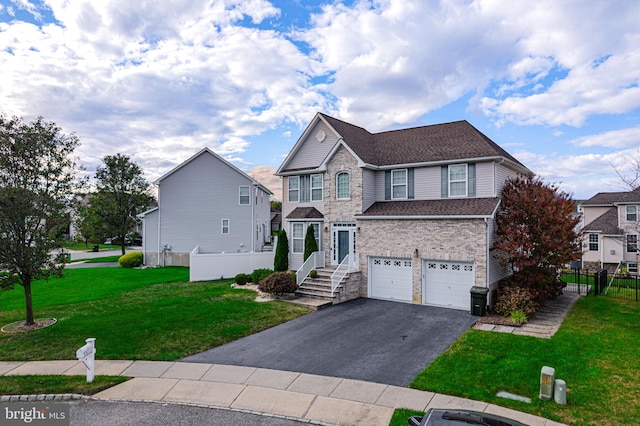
{"points": [[439, 143], [207, 151]]}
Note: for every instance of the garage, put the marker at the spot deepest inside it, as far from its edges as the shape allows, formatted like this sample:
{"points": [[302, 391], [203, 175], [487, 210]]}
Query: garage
{"points": [[447, 283], [390, 279]]}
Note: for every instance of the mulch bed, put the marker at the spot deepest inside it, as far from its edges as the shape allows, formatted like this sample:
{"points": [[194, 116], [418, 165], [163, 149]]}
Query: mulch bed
{"points": [[496, 319], [22, 327]]}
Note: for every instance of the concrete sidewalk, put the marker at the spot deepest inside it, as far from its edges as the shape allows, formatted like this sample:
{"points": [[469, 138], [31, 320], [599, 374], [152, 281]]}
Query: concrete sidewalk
{"points": [[311, 398]]}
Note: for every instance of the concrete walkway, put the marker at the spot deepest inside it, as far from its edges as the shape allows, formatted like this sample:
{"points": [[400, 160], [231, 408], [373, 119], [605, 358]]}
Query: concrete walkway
{"points": [[306, 397], [545, 322]]}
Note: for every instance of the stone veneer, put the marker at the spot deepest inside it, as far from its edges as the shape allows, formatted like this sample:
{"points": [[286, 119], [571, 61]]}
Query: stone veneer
{"points": [[340, 210], [441, 239]]}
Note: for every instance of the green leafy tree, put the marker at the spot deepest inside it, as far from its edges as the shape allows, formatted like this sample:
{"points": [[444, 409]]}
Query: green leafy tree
{"points": [[310, 244], [37, 177], [281, 258], [121, 194]]}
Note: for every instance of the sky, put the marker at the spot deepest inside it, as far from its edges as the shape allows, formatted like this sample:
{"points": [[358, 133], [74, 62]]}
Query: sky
{"points": [[555, 83]]}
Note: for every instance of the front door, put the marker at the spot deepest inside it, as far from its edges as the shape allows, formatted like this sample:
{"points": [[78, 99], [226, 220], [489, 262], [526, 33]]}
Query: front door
{"points": [[343, 241]]}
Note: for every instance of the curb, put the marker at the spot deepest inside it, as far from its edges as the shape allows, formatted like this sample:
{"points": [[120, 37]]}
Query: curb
{"points": [[43, 397]]}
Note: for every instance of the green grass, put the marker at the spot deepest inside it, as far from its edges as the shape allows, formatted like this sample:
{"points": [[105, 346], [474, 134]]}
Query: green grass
{"points": [[74, 245], [595, 352], [37, 385], [152, 314], [401, 415]]}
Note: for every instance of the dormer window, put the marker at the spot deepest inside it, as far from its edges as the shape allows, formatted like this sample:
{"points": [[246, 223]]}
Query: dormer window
{"points": [[632, 213]]}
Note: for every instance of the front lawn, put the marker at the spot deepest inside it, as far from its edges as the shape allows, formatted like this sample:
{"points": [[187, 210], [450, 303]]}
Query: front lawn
{"points": [[38, 385], [595, 352], [150, 314]]}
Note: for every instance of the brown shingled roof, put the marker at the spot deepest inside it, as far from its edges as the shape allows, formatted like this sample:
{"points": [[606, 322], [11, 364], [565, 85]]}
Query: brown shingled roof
{"points": [[607, 223], [305, 213], [440, 142], [610, 198], [446, 207]]}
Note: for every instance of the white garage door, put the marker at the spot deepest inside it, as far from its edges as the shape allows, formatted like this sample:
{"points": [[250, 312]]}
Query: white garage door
{"points": [[448, 283], [390, 278]]}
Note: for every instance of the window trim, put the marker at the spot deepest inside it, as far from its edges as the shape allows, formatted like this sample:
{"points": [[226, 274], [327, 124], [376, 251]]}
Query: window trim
{"points": [[405, 184], [629, 213], [450, 181], [312, 188], [595, 243], [628, 243], [294, 238], [296, 189], [222, 226], [247, 195], [348, 186]]}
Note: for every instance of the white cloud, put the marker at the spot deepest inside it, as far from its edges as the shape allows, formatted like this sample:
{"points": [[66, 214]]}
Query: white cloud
{"points": [[622, 138]]}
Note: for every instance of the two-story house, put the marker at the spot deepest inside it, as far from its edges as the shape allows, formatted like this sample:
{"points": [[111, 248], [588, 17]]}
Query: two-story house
{"points": [[412, 210], [610, 233], [209, 203]]}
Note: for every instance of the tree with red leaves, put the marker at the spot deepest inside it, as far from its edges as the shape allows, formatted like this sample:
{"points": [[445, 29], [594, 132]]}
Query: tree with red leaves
{"points": [[536, 226]]}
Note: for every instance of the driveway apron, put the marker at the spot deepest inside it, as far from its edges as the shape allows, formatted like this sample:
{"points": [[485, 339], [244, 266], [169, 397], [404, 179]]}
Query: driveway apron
{"points": [[363, 339]]}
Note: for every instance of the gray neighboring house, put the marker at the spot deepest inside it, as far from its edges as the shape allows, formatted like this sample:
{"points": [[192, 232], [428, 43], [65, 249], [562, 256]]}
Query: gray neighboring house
{"points": [[414, 208], [611, 230], [209, 203]]}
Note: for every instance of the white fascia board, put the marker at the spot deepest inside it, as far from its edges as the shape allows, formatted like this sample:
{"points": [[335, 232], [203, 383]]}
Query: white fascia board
{"points": [[298, 143], [340, 143], [143, 214]]}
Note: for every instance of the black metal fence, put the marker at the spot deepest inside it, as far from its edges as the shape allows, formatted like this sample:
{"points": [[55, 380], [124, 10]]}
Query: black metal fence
{"points": [[600, 283]]}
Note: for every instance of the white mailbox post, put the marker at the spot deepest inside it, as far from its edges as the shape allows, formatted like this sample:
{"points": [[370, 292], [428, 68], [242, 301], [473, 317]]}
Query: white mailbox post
{"points": [[87, 354]]}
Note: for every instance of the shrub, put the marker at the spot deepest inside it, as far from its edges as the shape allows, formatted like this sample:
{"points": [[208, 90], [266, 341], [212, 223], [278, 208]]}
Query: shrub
{"points": [[242, 279], [514, 298], [310, 243], [281, 259], [518, 317], [260, 274], [131, 260], [313, 273], [278, 283]]}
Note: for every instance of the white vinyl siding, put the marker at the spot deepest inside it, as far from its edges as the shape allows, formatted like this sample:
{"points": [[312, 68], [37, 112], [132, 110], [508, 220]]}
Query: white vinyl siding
{"points": [[369, 187], [311, 153]]}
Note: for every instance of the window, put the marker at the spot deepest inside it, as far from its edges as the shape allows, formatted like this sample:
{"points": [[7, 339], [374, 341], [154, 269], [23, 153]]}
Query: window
{"points": [[316, 187], [244, 195], [294, 188], [632, 243], [398, 184], [632, 267], [305, 188], [298, 237], [225, 226], [458, 180], [593, 242], [632, 213], [342, 186]]}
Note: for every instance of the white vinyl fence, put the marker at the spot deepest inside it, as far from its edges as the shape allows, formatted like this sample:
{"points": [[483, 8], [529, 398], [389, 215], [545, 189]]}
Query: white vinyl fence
{"points": [[213, 266]]}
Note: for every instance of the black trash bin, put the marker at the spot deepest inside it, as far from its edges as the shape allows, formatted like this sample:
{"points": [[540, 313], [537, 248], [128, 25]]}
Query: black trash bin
{"points": [[479, 300], [96, 248]]}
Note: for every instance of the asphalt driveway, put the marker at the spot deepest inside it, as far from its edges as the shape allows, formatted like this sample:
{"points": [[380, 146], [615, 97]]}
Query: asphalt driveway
{"points": [[364, 339]]}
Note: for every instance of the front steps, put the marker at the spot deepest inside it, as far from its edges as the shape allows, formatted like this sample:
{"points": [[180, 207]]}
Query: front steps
{"points": [[320, 286]]}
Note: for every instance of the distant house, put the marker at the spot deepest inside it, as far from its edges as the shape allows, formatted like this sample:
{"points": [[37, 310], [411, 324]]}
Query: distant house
{"points": [[411, 211], [610, 233], [205, 202], [276, 219]]}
